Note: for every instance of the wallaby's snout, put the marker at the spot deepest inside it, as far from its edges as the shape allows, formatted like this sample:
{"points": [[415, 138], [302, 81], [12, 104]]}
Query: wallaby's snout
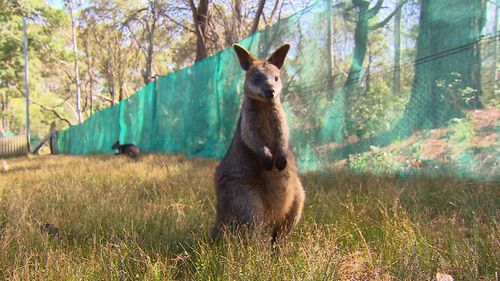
{"points": [[269, 94], [116, 145]]}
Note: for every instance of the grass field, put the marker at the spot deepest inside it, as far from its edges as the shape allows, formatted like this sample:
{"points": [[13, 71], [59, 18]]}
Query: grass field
{"points": [[111, 218]]}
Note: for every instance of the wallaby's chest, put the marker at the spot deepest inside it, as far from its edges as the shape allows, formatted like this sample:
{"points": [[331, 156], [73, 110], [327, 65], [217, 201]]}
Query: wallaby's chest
{"points": [[268, 126]]}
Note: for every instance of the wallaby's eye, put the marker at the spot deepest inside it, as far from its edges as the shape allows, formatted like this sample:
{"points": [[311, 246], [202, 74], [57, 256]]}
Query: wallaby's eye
{"points": [[276, 78]]}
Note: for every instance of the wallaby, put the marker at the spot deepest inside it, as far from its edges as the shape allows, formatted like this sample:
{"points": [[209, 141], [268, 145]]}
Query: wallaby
{"points": [[257, 181], [51, 229], [127, 149]]}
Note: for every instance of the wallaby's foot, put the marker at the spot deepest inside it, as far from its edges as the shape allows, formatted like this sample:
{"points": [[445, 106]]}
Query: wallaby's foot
{"points": [[275, 247], [275, 251], [267, 160], [281, 161], [215, 234]]}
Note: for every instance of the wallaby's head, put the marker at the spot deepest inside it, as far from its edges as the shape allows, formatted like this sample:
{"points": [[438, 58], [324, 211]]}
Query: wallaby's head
{"points": [[116, 145], [263, 77]]}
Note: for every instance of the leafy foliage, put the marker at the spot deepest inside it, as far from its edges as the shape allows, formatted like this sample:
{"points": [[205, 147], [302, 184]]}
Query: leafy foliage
{"points": [[45, 51]]}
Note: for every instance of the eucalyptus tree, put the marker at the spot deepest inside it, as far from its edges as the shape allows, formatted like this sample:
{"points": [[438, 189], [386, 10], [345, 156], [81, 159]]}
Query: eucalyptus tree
{"points": [[110, 57], [44, 51], [448, 63], [363, 27], [152, 30]]}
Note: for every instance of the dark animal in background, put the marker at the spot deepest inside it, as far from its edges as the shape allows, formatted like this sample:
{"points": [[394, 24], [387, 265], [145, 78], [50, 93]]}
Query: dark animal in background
{"points": [[128, 149], [51, 229], [257, 182]]}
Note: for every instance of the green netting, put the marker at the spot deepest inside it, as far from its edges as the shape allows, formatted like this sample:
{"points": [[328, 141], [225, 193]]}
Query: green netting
{"points": [[349, 101]]}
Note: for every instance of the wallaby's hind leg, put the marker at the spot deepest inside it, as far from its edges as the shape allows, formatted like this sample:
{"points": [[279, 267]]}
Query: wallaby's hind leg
{"points": [[292, 218], [238, 209]]}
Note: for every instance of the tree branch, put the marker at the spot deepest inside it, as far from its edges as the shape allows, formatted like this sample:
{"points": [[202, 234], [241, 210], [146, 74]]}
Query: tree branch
{"points": [[131, 17], [72, 109], [374, 11], [388, 18], [104, 98], [178, 23], [53, 111], [281, 8], [273, 12]]}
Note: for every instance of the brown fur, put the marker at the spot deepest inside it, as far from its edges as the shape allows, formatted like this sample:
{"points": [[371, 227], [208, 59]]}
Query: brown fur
{"points": [[257, 182], [128, 149]]}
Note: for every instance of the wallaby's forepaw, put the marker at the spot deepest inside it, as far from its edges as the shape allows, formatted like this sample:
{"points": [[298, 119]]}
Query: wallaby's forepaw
{"points": [[267, 163], [267, 160], [281, 162]]}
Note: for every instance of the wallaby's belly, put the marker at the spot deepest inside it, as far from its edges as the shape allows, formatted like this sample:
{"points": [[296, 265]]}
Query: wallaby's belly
{"points": [[277, 194], [275, 189]]}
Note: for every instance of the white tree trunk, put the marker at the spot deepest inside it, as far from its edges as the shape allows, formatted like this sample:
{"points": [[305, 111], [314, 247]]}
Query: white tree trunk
{"points": [[75, 51]]}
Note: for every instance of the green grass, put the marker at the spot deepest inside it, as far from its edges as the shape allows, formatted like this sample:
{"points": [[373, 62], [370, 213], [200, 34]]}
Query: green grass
{"points": [[149, 220]]}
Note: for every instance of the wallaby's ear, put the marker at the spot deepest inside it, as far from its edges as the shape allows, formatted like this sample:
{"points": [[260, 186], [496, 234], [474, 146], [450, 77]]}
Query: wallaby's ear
{"points": [[246, 59], [278, 57]]}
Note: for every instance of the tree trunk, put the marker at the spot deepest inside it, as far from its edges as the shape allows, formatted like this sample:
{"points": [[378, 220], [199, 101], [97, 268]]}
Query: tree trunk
{"points": [[112, 88], [75, 51], [4, 107], [496, 76], [113, 96], [88, 62], [237, 25], [258, 14], [358, 56], [329, 52], [200, 17], [26, 83], [447, 49], [148, 73], [121, 94], [368, 71], [396, 79]]}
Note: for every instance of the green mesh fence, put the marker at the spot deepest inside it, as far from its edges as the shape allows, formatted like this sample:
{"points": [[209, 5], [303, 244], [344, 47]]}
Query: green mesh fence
{"points": [[353, 98]]}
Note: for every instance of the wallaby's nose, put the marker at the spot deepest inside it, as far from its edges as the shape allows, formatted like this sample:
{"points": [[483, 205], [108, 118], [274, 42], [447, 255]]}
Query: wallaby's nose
{"points": [[269, 94]]}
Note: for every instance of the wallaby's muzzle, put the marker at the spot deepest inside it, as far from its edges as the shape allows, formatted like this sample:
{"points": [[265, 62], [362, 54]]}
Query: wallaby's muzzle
{"points": [[267, 91], [269, 94], [261, 93]]}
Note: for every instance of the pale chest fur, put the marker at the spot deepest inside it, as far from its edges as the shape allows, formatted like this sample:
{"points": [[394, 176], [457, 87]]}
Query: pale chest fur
{"points": [[271, 124]]}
